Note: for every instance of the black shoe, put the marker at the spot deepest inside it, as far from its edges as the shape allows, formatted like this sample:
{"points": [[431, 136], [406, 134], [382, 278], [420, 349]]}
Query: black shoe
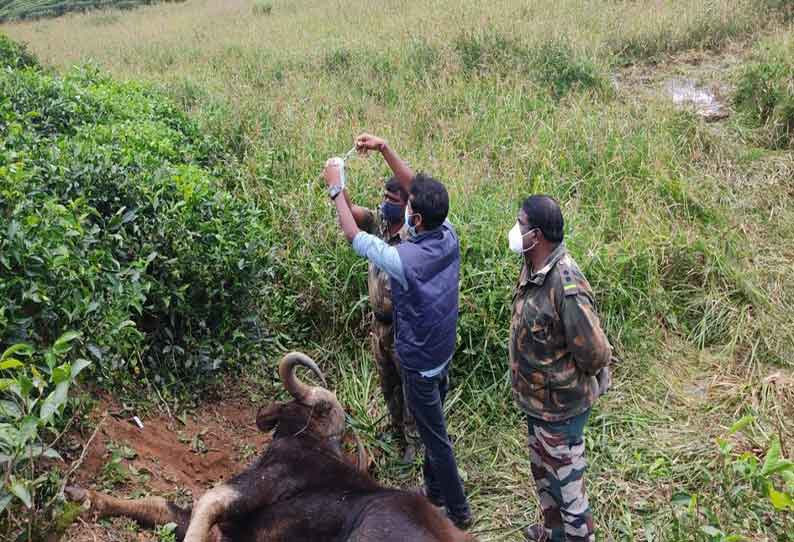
{"points": [[462, 521]]}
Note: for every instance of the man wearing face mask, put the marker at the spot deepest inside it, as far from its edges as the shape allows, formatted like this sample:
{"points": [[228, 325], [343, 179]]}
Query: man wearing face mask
{"points": [[559, 359], [424, 274], [388, 223]]}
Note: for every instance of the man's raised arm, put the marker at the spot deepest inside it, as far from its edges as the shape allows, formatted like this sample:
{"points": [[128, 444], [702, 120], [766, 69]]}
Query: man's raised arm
{"points": [[361, 215], [366, 245], [332, 176], [403, 172]]}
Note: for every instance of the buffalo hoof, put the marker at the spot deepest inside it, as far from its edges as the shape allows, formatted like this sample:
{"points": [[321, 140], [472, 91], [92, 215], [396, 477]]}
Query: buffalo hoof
{"points": [[76, 494], [91, 502]]}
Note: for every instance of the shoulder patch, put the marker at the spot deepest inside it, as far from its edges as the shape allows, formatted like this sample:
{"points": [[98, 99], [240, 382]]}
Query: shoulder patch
{"points": [[569, 285]]}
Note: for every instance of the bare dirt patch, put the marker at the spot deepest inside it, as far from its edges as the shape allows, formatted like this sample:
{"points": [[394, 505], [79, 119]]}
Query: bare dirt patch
{"points": [[706, 102], [176, 458], [696, 80]]}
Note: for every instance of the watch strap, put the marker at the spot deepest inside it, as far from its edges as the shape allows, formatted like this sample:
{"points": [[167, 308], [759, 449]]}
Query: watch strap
{"points": [[334, 191]]}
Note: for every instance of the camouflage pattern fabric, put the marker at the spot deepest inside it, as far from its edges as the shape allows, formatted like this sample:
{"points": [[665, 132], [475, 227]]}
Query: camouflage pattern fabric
{"points": [[557, 347], [378, 282], [402, 420], [556, 452], [382, 334]]}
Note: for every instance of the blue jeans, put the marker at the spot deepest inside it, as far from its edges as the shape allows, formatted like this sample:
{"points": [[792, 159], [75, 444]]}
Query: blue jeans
{"points": [[425, 397]]}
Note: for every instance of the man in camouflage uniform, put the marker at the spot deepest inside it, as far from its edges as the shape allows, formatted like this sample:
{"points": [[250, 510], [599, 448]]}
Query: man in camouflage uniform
{"points": [[559, 359], [387, 222]]}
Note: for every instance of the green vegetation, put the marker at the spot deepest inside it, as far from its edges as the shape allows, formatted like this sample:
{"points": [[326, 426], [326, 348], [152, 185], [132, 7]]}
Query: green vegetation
{"points": [[766, 93], [14, 55], [686, 232], [115, 226], [262, 7], [167, 533], [35, 411], [32, 9], [553, 64]]}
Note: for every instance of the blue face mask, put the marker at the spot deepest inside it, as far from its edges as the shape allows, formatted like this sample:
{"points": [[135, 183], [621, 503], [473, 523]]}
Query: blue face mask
{"points": [[392, 212]]}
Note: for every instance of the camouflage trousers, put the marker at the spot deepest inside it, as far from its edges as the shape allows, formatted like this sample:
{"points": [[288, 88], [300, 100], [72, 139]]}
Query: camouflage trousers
{"points": [[388, 363], [556, 452]]}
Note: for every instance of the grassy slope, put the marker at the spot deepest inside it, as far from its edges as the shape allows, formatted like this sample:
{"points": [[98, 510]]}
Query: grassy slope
{"points": [[30, 9], [684, 230]]}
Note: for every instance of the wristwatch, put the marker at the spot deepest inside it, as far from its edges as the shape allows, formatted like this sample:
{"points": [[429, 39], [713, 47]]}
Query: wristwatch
{"points": [[335, 190]]}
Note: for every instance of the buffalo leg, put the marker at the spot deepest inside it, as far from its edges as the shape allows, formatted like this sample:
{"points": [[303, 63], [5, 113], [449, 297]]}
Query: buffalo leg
{"points": [[248, 491], [148, 512], [211, 508]]}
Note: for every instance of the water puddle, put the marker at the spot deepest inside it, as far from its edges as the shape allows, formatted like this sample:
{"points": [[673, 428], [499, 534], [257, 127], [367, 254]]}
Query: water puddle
{"points": [[704, 101]]}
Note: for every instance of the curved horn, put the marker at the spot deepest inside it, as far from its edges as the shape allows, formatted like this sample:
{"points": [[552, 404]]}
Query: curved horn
{"points": [[286, 370]]}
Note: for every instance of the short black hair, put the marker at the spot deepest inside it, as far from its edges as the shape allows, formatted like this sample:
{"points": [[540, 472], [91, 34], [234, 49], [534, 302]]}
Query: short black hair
{"points": [[545, 214], [430, 199], [393, 185]]}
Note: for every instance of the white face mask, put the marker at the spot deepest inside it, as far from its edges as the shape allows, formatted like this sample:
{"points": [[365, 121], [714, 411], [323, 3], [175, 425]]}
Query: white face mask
{"points": [[516, 240], [411, 228]]}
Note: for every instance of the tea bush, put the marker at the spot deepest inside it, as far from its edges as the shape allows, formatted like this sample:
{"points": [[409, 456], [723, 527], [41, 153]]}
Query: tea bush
{"points": [[34, 411], [15, 55], [116, 226], [30, 9]]}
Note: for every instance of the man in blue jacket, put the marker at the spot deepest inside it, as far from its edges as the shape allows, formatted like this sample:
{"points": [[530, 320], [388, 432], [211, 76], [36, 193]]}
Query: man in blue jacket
{"points": [[424, 272]]}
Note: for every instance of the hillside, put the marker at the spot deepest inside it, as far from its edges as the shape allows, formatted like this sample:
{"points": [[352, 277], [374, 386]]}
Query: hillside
{"points": [[12, 10], [682, 222]]}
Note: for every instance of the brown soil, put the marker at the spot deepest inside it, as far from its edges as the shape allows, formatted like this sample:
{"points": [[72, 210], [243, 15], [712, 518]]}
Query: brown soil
{"points": [[167, 457]]}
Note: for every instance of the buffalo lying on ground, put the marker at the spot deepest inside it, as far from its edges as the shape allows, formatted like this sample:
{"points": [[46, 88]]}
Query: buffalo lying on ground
{"points": [[300, 489]]}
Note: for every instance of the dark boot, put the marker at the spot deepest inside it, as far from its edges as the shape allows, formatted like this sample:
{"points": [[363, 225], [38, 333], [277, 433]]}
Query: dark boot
{"points": [[462, 521], [409, 454]]}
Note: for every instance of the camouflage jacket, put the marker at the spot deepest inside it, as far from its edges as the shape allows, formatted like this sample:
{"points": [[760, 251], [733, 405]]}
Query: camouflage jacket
{"points": [[378, 281], [557, 345]]}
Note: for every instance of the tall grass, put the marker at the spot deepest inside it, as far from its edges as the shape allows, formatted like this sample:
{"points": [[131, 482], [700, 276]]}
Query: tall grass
{"points": [[633, 29], [262, 7], [765, 94], [499, 100]]}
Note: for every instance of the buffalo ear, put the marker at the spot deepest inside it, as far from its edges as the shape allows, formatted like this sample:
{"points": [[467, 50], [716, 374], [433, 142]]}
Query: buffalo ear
{"points": [[268, 417]]}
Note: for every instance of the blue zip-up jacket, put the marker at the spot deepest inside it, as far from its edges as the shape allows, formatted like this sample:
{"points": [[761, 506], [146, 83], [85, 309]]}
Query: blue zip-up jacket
{"points": [[426, 307]]}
